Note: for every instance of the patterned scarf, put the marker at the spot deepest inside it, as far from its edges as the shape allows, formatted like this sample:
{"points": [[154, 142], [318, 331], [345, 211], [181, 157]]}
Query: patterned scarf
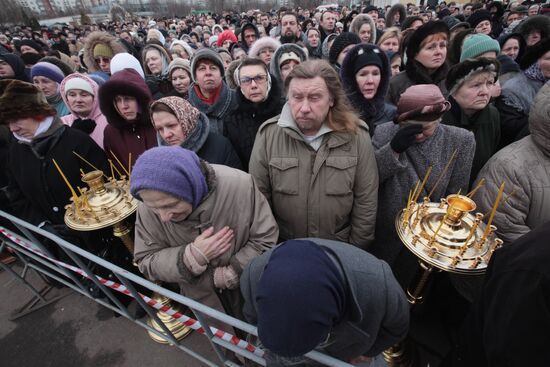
{"points": [[534, 72]]}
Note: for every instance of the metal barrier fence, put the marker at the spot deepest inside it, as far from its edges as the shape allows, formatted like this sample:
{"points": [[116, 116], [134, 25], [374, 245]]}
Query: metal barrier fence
{"points": [[34, 255]]}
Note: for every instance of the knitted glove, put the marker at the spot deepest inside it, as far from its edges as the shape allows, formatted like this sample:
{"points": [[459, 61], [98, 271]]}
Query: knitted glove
{"points": [[225, 278], [87, 125], [194, 260], [405, 137]]}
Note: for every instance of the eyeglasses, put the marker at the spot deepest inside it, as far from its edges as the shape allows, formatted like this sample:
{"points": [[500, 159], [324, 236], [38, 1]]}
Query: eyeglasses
{"points": [[258, 79]]}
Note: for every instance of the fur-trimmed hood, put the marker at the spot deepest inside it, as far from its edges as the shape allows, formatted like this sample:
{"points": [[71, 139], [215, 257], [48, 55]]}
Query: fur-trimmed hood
{"points": [[229, 80], [274, 68], [397, 8], [361, 19], [262, 43], [505, 37], [94, 39], [368, 108], [125, 82], [536, 22]]}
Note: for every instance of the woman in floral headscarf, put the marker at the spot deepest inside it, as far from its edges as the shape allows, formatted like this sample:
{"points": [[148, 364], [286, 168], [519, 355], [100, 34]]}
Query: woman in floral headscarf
{"points": [[177, 122]]}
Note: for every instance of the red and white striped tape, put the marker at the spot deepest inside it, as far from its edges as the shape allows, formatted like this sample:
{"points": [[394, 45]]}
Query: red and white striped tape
{"points": [[192, 323]]}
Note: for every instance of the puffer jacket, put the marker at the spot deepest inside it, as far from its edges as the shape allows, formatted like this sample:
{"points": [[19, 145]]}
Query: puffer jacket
{"points": [[233, 200], [123, 137], [331, 193], [524, 168], [94, 39], [96, 115]]}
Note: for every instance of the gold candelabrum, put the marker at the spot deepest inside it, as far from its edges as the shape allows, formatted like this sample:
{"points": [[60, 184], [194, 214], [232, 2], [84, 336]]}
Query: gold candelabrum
{"points": [[104, 204], [444, 236]]}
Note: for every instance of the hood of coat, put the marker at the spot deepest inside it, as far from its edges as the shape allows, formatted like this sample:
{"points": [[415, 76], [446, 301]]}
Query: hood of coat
{"points": [[17, 65], [126, 82], [540, 23], [94, 39], [361, 19], [368, 108], [270, 107], [274, 68], [165, 55], [505, 37], [397, 8], [245, 27], [96, 111], [262, 43], [539, 120]]}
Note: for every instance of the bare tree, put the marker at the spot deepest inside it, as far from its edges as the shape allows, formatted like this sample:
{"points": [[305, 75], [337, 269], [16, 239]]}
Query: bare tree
{"points": [[12, 12]]}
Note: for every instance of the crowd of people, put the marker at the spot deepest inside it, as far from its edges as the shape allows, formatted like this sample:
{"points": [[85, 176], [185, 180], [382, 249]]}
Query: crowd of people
{"points": [[271, 153]]}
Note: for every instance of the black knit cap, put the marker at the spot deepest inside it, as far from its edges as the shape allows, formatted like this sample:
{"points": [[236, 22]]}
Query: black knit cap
{"points": [[370, 8], [478, 17], [342, 41], [32, 44], [423, 32], [535, 52]]}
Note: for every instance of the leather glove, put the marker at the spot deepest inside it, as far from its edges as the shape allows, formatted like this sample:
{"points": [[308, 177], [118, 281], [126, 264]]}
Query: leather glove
{"points": [[405, 137], [86, 125]]}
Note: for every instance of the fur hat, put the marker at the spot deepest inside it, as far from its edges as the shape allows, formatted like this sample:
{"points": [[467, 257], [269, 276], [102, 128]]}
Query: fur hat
{"points": [[539, 23], [535, 52], [423, 32], [262, 43], [342, 41], [206, 54], [22, 100], [478, 44], [478, 17], [229, 80], [467, 69]]}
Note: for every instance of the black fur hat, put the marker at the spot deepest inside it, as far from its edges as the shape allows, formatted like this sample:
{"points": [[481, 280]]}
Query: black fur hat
{"points": [[461, 72], [535, 52], [423, 32]]}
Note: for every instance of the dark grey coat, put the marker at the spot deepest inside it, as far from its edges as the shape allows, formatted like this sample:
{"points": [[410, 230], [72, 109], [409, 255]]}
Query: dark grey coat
{"points": [[378, 312]]}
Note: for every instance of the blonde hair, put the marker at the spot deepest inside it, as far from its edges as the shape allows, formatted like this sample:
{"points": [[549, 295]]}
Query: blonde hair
{"points": [[392, 32], [341, 116]]}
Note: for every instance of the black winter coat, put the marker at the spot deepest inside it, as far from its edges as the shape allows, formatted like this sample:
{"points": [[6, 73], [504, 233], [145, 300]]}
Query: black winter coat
{"points": [[36, 190], [243, 124], [509, 323], [218, 150]]}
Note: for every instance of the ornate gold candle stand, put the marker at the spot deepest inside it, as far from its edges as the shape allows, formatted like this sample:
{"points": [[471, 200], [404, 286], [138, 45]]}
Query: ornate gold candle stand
{"points": [[106, 204]]}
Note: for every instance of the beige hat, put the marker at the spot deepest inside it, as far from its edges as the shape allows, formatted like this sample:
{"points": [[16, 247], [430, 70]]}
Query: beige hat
{"points": [[289, 56]]}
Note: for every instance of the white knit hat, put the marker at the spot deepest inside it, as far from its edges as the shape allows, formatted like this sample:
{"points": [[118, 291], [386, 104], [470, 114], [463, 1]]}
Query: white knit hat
{"points": [[78, 83]]}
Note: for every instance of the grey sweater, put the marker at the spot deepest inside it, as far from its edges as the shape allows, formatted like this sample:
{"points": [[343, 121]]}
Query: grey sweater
{"points": [[400, 172]]}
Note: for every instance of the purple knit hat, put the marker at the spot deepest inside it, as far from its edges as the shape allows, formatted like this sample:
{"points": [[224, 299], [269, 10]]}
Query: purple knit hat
{"points": [[47, 70], [173, 170]]}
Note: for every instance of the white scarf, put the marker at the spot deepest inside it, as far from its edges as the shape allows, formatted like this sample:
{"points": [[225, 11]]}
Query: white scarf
{"points": [[42, 128]]}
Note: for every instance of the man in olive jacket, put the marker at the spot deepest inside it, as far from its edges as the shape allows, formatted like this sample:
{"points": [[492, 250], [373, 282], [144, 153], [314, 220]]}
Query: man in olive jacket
{"points": [[315, 163]]}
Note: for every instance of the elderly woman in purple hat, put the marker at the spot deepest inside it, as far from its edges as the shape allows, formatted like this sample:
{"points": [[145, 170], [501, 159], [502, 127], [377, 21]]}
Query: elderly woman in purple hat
{"points": [[198, 225]]}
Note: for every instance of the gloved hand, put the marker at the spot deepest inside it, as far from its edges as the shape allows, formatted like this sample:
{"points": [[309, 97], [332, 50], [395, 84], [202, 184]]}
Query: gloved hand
{"points": [[86, 125], [405, 137]]}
